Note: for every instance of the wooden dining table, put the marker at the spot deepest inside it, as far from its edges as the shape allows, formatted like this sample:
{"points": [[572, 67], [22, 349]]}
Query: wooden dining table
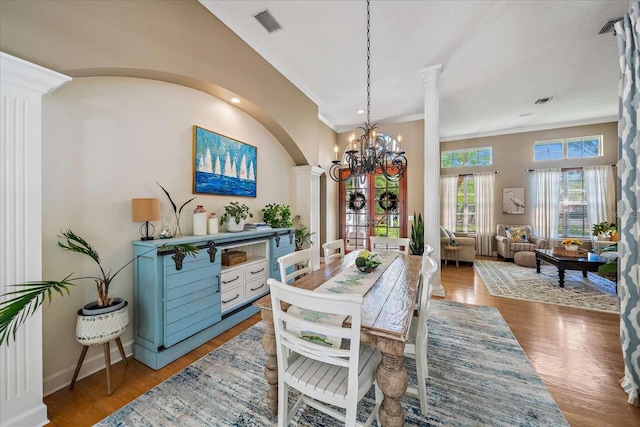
{"points": [[386, 317]]}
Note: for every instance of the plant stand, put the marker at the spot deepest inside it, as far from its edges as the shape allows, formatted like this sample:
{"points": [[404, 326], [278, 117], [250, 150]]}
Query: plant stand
{"points": [[100, 329]]}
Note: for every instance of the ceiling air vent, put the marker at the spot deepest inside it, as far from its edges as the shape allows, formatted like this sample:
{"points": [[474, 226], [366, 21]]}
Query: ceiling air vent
{"points": [[266, 19], [542, 101], [608, 27]]}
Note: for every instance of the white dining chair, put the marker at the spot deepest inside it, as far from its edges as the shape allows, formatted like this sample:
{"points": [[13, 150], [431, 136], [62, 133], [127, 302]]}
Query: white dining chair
{"points": [[428, 250], [416, 346], [333, 250], [324, 375], [399, 244], [295, 264]]}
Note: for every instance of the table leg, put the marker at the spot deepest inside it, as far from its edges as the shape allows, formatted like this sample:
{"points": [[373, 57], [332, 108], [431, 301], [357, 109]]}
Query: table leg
{"points": [[393, 381], [584, 273], [537, 265], [561, 275], [456, 255], [271, 367]]}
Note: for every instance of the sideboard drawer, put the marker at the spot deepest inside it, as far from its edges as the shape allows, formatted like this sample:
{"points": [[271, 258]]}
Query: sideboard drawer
{"points": [[232, 278], [256, 270], [232, 297], [255, 287]]}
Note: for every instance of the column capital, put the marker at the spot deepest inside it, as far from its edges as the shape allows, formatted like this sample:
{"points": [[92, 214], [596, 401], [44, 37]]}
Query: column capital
{"points": [[30, 76], [430, 72], [308, 170]]}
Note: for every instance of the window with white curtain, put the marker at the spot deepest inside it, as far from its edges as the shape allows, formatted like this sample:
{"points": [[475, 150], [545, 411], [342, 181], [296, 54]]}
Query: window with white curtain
{"points": [[466, 205], [573, 220]]}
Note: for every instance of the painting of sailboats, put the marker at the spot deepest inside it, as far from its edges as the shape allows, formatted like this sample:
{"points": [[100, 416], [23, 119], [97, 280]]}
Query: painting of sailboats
{"points": [[223, 165]]}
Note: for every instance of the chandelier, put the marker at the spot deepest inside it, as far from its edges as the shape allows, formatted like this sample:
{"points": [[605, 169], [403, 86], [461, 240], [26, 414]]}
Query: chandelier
{"points": [[371, 152]]}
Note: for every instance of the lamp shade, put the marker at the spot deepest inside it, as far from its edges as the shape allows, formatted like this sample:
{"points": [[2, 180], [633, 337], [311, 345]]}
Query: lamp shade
{"points": [[145, 210]]}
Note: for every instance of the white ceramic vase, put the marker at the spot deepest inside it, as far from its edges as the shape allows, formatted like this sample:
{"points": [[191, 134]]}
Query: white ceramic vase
{"points": [[234, 227], [571, 247]]}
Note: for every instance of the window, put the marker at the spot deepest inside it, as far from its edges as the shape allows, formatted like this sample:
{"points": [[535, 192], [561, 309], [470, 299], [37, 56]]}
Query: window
{"points": [[572, 148], [573, 220], [466, 205], [477, 156]]}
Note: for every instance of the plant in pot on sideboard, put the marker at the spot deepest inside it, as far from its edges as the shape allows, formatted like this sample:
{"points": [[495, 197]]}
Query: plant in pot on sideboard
{"points": [[235, 214], [277, 216]]}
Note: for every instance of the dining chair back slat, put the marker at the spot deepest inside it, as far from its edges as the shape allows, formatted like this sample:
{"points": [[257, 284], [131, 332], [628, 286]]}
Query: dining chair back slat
{"points": [[295, 264]]}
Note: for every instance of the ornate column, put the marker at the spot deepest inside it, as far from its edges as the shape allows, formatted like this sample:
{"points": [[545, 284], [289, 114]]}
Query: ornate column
{"points": [[431, 183], [22, 85], [307, 203]]}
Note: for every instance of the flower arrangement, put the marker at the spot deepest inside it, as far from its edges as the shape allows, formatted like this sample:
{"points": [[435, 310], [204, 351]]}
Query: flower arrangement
{"points": [[367, 261], [570, 241]]}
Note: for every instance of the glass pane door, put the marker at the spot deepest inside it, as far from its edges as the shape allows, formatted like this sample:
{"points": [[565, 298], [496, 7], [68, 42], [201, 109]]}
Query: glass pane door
{"points": [[356, 214]]}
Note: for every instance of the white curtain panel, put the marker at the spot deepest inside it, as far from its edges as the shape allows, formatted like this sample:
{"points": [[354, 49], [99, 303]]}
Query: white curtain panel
{"points": [[601, 197], [546, 210], [485, 222], [628, 33], [448, 199]]}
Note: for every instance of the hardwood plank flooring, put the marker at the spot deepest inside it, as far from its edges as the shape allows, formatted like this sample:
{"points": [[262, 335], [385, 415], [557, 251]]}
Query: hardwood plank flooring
{"points": [[576, 353]]}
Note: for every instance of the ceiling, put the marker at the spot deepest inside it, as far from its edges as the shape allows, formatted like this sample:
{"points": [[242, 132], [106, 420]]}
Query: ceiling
{"points": [[498, 58]]}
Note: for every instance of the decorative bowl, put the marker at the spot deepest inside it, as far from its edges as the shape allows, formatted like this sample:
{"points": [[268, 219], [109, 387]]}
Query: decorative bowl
{"points": [[366, 269]]}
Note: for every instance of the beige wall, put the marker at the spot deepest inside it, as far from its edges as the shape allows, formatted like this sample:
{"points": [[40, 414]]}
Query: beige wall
{"points": [[513, 156], [328, 188], [106, 141]]}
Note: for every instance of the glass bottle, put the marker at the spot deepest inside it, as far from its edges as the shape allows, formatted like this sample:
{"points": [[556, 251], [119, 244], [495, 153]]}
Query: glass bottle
{"points": [[166, 231]]}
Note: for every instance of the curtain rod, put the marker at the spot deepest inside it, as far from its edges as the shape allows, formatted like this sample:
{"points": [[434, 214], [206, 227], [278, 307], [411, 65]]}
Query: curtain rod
{"points": [[471, 174], [574, 167]]}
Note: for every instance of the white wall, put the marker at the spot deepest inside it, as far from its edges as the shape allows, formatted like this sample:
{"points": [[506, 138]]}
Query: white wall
{"points": [[106, 141]]}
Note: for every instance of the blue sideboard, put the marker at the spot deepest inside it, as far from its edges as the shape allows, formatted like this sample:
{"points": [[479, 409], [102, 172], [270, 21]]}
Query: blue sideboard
{"points": [[179, 304]]}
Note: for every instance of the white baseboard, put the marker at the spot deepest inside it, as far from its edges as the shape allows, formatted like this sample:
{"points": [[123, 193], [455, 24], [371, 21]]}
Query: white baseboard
{"points": [[34, 417], [91, 365]]}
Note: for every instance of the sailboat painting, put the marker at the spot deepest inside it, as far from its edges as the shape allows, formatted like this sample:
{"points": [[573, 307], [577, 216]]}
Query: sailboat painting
{"points": [[223, 165]]}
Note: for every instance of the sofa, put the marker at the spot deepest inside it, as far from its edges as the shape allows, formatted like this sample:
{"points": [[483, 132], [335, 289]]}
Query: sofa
{"points": [[511, 239], [467, 242]]}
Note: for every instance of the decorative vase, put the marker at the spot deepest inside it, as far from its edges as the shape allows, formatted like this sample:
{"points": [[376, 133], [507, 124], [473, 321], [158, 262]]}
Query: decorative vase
{"points": [[199, 221], [571, 247], [166, 231], [213, 223], [178, 232], [234, 227]]}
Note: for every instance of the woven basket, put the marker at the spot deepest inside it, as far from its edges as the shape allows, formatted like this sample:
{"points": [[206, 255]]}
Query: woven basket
{"points": [[561, 251], [98, 329]]}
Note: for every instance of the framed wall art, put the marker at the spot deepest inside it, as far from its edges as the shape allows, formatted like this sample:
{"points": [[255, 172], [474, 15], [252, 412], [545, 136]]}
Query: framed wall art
{"points": [[223, 165], [513, 200]]}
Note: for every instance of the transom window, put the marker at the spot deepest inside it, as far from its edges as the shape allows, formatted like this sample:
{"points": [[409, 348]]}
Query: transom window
{"points": [[571, 148], [477, 156], [573, 221]]}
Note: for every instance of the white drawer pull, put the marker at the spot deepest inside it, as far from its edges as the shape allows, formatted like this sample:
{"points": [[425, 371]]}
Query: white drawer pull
{"points": [[256, 272], [232, 280], [261, 286], [236, 297]]}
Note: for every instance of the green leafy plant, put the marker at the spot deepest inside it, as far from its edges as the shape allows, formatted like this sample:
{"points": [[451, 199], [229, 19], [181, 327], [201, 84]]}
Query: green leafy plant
{"points": [[236, 210], [605, 228], [277, 216], [417, 235], [367, 259], [177, 212], [24, 302], [303, 236]]}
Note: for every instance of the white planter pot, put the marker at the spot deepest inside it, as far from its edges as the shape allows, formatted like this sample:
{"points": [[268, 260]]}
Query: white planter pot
{"points": [[92, 308], [101, 328], [232, 227], [571, 247]]}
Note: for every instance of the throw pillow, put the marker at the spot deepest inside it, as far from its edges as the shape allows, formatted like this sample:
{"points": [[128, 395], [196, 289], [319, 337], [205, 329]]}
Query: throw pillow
{"points": [[517, 234]]}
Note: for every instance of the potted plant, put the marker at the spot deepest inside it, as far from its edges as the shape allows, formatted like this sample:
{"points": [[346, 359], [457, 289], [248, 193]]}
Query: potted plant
{"points": [[23, 302], [177, 212], [417, 235], [235, 215], [303, 236], [604, 230], [277, 216], [571, 244], [366, 262]]}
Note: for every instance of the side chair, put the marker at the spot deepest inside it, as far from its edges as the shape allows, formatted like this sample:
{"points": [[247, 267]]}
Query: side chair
{"points": [[400, 244], [333, 250], [295, 264], [416, 346], [324, 375]]}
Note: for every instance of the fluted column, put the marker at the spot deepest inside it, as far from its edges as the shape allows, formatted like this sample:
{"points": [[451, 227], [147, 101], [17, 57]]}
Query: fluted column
{"points": [[430, 76], [22, 85]]}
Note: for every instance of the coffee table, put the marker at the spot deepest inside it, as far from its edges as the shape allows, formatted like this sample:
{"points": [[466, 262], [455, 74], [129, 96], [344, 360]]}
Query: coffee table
{"points": [[590, 262]]}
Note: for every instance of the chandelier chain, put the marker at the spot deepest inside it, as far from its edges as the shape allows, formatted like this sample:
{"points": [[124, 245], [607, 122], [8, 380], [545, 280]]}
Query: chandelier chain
{"points": [[368, 62]]}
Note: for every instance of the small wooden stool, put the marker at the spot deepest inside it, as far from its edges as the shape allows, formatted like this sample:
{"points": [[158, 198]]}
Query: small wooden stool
{"points": [[100, 329], [455, 250]]}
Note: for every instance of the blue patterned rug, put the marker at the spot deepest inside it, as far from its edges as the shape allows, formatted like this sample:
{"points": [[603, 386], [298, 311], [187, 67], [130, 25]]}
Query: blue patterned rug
{"points": [[479, 376], [509, 280]]}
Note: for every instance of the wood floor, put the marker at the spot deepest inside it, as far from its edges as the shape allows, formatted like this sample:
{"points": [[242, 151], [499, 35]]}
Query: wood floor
{"points": [[576, 353]]}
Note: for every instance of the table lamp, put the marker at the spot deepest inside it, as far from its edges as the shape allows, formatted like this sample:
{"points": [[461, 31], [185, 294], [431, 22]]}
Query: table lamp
{"points": [[145, 210]]}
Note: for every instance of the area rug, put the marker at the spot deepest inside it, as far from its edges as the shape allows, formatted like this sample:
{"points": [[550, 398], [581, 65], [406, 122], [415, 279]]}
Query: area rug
{"points": [[478, 376], [509, 280]]}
